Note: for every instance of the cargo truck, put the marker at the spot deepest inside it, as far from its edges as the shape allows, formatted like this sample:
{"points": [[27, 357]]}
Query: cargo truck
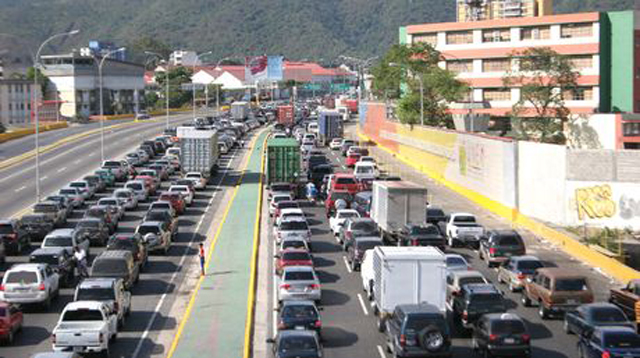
{"points": [[199, 150], [329, 127], [283, 160], [396, 204], [285, 115], [352, 105], [240, 110], [404, 275]]}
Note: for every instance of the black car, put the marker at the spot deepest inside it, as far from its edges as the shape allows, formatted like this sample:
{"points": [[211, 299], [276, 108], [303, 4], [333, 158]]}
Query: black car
{"points": [[418, 331], [499, 245], [355, 252], [362, 203], [475, 300], [318, 172], [60, 261], [14, 236], [132, 243], [315, 160], [356, 227], [95, 229], [435, 215], [296, 344], [102, 213], [421, 235], [614, 342], [501, 334], [299, 315], [37, 226], [586, 317]]}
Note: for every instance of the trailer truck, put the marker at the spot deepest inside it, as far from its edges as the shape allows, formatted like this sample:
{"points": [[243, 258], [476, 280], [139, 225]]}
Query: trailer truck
{"points": [[396, 204], [283, 160], [329, 127], [285, 115], [240, 110], [199, 150]]}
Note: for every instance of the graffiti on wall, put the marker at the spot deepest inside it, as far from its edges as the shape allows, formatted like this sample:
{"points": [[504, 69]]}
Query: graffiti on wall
{"points": [[471, 159], [629, 207], [595, 202]]}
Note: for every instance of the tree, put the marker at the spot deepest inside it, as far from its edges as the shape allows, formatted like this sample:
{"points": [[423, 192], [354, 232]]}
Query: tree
{"points": [[146, 43], [177, 76], [43, 80], [545, 78], [388, 79]]}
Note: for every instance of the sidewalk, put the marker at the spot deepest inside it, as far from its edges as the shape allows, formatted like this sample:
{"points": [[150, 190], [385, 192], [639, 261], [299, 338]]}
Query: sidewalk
{"points": [[215, 324]]}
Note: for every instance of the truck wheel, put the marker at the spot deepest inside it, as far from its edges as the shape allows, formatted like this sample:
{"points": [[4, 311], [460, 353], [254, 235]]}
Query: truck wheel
{"points": [[542, 311], [381, 324], [105, 353]]}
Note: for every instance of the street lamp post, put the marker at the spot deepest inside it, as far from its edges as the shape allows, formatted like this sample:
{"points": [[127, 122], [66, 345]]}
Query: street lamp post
{"points": [[421, 82], [35, 104], [102, 99], [193, 84], [217, 68], [166, 74]]}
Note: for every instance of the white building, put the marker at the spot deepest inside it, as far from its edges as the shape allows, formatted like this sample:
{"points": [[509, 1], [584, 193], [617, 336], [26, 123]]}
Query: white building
{"points": [[76, 80], [228, 77], [15, 102], [184, 58]]}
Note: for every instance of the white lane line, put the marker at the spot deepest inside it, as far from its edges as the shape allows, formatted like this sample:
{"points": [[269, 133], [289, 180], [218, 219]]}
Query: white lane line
{"points": [[381, 352], [364, 307], [156, 310], [20, 188], [344, 167], [76, 161], [62, 169], [44, 178], [274, 318], [346, 263]]}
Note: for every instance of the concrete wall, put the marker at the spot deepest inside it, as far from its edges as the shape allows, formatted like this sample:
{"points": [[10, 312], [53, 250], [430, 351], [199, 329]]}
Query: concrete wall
{"points": [[611, 204]]}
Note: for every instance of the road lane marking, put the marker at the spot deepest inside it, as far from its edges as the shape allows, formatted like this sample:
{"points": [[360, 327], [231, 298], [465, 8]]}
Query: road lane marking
{"points": [[76, 161], [21, 188], [381, 352], [62, 169], [44, 178], [346, 263], [364, 307], [343, 167]]}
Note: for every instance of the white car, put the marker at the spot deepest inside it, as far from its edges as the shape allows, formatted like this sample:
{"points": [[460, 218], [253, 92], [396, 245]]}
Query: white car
{"points": [[129, 199], [199, 181], [187, 194], [365, 171], [287, 214], [307, 146], [335, 144], [85, 327], [335, 223], [30, 283], [354, 149], [66, 239], [275, 199], [367, 159], [139, 190]]}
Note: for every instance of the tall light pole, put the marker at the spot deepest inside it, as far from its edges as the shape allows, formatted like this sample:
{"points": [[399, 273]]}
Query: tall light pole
{"points": [[193, 84], [35, 103], [217, 86], [166, 74], [104, 57], [420, 81]]}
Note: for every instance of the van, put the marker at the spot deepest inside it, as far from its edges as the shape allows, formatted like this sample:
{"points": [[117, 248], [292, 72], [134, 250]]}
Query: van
{"points": [[138, 188], [116, 264], [556, 291], [108, 290]]}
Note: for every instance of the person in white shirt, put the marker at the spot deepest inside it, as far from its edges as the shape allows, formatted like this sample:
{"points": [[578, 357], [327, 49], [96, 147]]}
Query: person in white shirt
{"points": [[81, 259]]}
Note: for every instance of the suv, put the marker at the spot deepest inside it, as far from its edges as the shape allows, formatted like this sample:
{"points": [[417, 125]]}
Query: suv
{"points": [[165, 217], [104, 214], [108, 290], [93, 229], [556, 290], [30, 284], [116, 264], [356, 251], [53, 210], [418, 330], [501, 334], [37, 226], [59, 260], [156, 235], [14, 236], [499, 245], [421, 235], [456, 280], [516, 269], [132, 243], [475, 300], [356, 227], [362, 203]]}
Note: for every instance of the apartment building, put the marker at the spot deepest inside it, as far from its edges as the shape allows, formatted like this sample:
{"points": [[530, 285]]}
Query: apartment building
{"points": [[15, 102], [184, 58], [481, 10]]}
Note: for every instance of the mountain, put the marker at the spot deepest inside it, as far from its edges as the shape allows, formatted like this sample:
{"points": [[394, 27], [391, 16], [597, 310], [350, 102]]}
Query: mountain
{"points": [[313, 29]]}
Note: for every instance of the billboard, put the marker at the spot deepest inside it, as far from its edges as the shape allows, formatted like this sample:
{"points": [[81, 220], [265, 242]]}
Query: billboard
{"points": [[274, 68], [255, 69]]}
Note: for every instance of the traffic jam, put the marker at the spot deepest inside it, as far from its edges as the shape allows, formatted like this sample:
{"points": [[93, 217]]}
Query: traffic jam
{"points": [[431, 283], [95, 237]]}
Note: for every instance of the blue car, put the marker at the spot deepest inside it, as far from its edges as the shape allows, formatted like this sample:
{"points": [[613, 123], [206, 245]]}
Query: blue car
{"points": [[586, 317], [611, 342]]}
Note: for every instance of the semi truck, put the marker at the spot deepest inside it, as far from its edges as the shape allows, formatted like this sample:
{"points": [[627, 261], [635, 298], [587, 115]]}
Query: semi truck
{"points": [[283, 160], [285, 115], [404, 275], [199, 150], [240, 110], [396, 204], [329, 127]]}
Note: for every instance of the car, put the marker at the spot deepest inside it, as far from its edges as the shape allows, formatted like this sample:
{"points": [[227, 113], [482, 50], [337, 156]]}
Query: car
{"points": [[133, 159], [64, 201], [149, 183], [30, 284], [188, 183], [59, 260], [456, 262], [307, 146], [109, 290], [116, 264], [284, 205], [299, 315], [293, 243], [336, 221], [116, 206], [418, 330], [354, 149], [67, 239], [345, 145], [365, 171], [351, 160], [362, 203], [275, 199], [586, 318], [421, 235], [129, 200], [293, 226], [152, 174], [296, 343], [11, 321], [611, 342], [162, 170], [345, 182], [199, 181], [435, 215], [280, 188], [102, 213], [501, 334], [74, 195], [85, 327], [86, 190], [14, 236], [286, 214], [517, 269], [107, 176], [475, 300], [367, 159], [96, 182], [187, 194], [175, 199], [142, 115], [96, 230], [356, 251], [293, 257], [164, 216], [334, 197], [53, 210], [37, 226], [313, 160], [156, 235], [163, 206], [317, 174], [298, 283], [357, 227], [132, 243], [169, 167], [556, 290], [498, 245], [139, 189], [456, 280], [335, 143]]}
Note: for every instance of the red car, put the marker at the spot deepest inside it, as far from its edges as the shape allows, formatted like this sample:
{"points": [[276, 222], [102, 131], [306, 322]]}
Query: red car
{"points": [[347, 182], [329, 203], [11, 320], [176, 200], [293, 257], [351, 160]]}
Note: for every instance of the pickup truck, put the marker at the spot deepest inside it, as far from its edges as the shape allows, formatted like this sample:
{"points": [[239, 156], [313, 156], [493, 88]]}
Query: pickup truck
{"points": [[461, 228], [85, 327], [627, 298]]}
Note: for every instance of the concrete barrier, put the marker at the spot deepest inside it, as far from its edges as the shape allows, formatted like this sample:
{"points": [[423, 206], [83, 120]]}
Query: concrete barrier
{"points": [[5, 137]]}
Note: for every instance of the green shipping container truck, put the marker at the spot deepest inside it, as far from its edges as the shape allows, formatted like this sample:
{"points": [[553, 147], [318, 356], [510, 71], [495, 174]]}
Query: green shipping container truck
{"points": [[283, 160]]}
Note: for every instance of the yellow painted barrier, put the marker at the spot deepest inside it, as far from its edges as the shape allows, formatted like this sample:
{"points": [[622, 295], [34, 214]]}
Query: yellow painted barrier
{"points": [[5, 137]]}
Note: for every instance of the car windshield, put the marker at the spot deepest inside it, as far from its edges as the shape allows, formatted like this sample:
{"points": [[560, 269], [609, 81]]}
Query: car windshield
{"points": [[108, 267], [486, 298], [94, 213], [58, 241], [508, 326], [297, 344], [134, 186], [294, 244], [121, 244], [622, 340], [509, 240], [23, 277], [529, 265], [296, 256], [321, 169], [343, 196], [77, 185], [608, 315], [416, 323], [425, 230], [148, 229], [288, 205], [156, 216], [45, 208], [348, 214], [298, 276], [463, 281], [364, 170], [345, 181], [297, 312], [571, 284], [465, 219], [89, 224], [364, 226], [435, 212], [68, 192], [279, 198], [293, 225], [6, 229], [455, 261], [45, 259], [82, 315], [367, 245], [95, 294], [160, 206]]}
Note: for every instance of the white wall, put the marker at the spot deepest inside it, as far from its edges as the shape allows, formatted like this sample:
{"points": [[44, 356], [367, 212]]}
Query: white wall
{"points": [[610, 204], [598, 131]]}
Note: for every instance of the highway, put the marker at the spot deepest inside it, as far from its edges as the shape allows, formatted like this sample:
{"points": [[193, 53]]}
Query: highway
{"points": [[349, 328], [165, 283]]}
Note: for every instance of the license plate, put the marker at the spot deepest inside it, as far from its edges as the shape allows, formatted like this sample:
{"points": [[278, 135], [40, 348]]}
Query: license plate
{"points": [[300, 328], [509, 341], [572, 302], [21, 289]]}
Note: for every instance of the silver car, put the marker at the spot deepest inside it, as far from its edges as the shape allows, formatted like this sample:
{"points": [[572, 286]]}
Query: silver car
{"points": [[74, 194], [129, 199], [115, 203], [138, 188], [85, 188], [299, 283], [294, 226]]}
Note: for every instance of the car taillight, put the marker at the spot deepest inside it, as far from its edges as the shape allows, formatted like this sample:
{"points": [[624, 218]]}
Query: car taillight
{"points": [[314, 286], [526, 338], [465, 315], [414, 242], [493, 337], [41, 288], [1, 287], [403, 340], [520, 276], [606, 354], [281, 325], [492, 250], [101, 338], [318, 324], [53, 338], [285, 286]]}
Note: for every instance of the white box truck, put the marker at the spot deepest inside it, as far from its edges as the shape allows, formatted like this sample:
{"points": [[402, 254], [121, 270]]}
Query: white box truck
{"points": [[395, 204], [405, 275], [240, 110], [199, 150]]}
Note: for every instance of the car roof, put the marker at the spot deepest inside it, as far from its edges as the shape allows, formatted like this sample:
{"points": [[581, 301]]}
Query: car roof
{"points": [[102, 282], [150, 223], [84, 305], [351, 211], [368, 238], [472, 273], [294, 218], [560, 272], [114, 254], [525, 258], [596, 305], [503, 317], [27, 266], [61, 232], [481, 288], [299, 269], [48, 251], [291, 211], [420, 308], [297, 333], [615, 329]]}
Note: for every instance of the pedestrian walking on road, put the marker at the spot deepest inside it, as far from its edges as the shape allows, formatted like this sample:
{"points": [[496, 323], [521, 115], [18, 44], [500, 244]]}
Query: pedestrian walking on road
{"points": [[201, 254], [81, 260]]}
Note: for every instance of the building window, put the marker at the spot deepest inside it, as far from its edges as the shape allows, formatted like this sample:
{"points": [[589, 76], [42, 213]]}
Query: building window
{"points": [[579, 94], [536, 33], [631, 129], [568, 31], [496, 65], [497, 35], [460, 66], [496, 94], [459, 37], [581, 62], [431, 38]]}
